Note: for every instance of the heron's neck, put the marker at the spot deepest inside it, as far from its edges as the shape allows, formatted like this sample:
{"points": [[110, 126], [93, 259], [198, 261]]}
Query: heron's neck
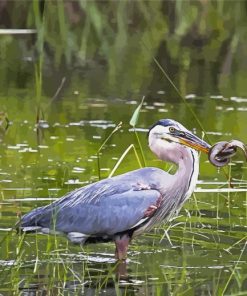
{"points": [[187, 173]]}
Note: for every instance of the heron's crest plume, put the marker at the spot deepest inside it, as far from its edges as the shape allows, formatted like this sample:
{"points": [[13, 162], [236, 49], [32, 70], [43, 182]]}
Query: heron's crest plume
{"points": [[167, 122]]}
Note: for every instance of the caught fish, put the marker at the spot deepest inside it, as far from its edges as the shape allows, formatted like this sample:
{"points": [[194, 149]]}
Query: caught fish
{"points": [[221, 153]]}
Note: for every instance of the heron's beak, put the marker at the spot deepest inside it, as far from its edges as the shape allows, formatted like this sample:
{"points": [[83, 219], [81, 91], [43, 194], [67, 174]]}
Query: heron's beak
{"points": [[192, 141], [188, 139]]}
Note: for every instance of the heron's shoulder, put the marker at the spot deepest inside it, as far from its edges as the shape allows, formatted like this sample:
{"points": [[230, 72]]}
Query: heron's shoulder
{"points": [[150, 171], [132, 177], [135, 175]]}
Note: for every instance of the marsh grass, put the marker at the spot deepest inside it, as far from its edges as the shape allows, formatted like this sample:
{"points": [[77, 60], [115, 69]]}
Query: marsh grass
{"points": [[103, 146], [181, 235], [133, 122], [62, 270], [202, 228]]}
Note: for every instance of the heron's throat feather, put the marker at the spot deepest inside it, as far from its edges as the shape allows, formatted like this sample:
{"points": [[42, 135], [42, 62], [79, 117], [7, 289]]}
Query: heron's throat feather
{"points": [[182, 185], [187, 173]]}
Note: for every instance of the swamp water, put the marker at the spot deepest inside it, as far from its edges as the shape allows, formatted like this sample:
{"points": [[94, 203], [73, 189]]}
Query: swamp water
{"points": [[201, 252]]}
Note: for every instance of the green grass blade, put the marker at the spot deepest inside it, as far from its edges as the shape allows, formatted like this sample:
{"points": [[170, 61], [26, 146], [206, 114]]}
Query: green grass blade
{"points": [[122, 157], [133, 123], [135, 116]]}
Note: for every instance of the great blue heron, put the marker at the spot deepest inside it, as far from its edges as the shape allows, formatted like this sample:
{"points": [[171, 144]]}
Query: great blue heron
{"points": [[122, 207]]}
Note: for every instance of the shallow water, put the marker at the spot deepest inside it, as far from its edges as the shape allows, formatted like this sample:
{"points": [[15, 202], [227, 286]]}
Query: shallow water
{"points": [[200, 252]]}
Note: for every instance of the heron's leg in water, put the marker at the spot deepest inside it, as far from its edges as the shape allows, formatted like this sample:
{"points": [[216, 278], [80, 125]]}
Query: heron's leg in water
{"points": [[122, 244]]}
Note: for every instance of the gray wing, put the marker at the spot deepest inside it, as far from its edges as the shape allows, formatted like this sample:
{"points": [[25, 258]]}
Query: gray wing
{"points": [[117, 213], [103, 208]]}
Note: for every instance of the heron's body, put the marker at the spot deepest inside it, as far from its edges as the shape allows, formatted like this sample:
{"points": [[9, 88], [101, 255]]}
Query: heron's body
{"points": [[124, 206]]}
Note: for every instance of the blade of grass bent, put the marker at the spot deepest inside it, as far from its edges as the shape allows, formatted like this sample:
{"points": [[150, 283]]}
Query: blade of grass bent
{"points": [[103, 144], [184, 101], [233, 271], [122, 157], [135, 116], [133, 122], [177, 91]]}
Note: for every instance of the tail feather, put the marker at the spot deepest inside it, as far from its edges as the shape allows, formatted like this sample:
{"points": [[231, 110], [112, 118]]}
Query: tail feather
{"points": [[32, 218]]}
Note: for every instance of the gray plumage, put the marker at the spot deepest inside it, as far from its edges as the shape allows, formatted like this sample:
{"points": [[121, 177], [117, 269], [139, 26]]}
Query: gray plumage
{"points": [[101, 208]]}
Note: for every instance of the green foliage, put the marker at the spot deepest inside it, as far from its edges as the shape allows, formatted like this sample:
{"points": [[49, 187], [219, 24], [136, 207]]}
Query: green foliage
{"points": [[135, 116], [200, 40]]}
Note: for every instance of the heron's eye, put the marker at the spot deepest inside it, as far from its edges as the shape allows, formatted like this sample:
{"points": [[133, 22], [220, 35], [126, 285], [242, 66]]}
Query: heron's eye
{"points": [[171, 129]]}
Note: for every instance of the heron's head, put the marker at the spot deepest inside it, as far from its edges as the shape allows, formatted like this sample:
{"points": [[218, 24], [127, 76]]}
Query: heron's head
{"points": [[170, 140]]}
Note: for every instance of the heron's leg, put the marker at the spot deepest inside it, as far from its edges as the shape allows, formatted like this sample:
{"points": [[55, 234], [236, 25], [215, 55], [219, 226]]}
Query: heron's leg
{"points": [[121, 270], [122, 244]]}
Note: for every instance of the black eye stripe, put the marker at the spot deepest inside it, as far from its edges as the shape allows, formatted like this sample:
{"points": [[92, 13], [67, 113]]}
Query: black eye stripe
{"points": [[176, 132]]}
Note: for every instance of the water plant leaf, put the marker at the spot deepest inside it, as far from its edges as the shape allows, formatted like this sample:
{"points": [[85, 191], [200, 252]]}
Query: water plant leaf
{"points": [[135, 116]]}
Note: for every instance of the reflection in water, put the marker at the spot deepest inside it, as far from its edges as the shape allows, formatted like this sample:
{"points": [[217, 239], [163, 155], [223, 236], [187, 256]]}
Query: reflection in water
{"points": [[100, 274], [121, 270], [117, 280]]}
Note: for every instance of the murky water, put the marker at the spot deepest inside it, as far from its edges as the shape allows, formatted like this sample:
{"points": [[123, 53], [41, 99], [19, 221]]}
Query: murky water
{"points": [[200, 252]]}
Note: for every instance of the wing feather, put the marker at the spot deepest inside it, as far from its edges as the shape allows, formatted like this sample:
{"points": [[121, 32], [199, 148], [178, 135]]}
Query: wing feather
{"points": [[118, 213], [103, 208]]}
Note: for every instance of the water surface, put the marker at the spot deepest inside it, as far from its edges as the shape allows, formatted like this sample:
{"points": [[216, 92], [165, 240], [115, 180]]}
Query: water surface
{"points": [[198, 252]]}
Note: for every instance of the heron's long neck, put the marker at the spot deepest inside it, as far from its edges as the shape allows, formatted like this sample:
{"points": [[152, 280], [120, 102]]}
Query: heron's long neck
{"points": [[179, 187], [187, 173]]}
